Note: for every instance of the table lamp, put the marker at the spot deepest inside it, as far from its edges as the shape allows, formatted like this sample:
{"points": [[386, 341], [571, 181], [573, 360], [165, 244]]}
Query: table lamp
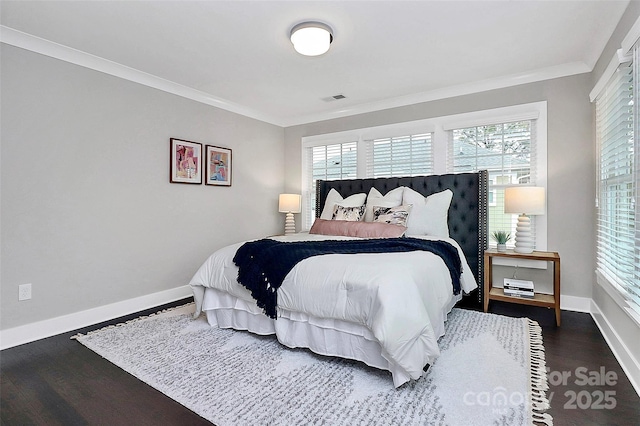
{"points": [[525, 201], [289, 204]]}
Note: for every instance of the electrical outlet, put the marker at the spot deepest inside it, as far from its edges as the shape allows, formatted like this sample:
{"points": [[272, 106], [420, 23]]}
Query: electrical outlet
{"points": [[24, 292]]}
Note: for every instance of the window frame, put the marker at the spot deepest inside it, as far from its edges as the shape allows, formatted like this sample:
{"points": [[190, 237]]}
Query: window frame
{"points": [[440, 127], [498, 171], [606, 278]]}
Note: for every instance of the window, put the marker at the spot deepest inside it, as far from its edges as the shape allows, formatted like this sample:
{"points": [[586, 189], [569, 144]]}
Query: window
{"points": [[399, 156], [408, 155], [618, 181], [510, 142], [507, 151], [493, 197], [328, 162]]}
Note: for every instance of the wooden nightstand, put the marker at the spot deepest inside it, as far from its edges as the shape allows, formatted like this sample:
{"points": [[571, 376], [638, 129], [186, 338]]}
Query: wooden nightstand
{"points": [[539, 299]]}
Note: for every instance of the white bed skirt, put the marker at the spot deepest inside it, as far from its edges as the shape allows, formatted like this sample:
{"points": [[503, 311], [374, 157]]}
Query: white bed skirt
{"points": [[297, 330]]}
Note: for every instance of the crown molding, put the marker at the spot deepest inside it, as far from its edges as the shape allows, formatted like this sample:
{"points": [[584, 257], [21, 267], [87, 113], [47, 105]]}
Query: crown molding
{"points": [[631, 38], [448, 92], [45, 47], [621, 56]]}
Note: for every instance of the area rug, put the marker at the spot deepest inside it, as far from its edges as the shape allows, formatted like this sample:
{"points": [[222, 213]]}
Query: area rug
{"points": [[491, 371]]}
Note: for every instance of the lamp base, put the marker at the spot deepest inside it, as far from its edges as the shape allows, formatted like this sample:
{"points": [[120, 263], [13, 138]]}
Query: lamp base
{"points": [[289, 224], [524, 238], [523, 250]]}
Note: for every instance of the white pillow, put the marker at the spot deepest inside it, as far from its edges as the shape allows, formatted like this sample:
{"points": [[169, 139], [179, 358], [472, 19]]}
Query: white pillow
{"points": [[333, 198], [375, 198], [429, 215]]}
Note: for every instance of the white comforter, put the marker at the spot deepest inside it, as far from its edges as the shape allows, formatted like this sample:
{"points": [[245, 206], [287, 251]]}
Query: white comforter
{"points": [[399, 297]]}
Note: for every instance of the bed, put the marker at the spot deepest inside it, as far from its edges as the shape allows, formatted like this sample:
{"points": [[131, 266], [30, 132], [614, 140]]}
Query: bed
{"points": [[384, 309]]}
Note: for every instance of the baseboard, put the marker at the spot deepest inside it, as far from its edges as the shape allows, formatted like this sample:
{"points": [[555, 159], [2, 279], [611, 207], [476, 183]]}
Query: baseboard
{"points": [[630, 365], [39, 330], [575, 304]]}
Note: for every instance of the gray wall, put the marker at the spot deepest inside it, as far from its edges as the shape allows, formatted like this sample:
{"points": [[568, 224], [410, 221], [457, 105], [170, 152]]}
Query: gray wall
{"points": [[626, 22], [88, 214], [89, 218], [571, 168]]}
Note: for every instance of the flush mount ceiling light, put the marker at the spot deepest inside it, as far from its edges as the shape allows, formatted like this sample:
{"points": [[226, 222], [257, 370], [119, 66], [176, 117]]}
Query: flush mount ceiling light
{"points": [[311, 38]]}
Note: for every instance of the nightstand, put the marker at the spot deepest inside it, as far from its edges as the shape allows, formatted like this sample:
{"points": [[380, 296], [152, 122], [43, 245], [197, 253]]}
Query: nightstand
{"points": [[539, 299]]}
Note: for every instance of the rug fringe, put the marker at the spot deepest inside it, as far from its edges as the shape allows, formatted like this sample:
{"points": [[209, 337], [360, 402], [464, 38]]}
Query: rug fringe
{"points": [[543, 418], [538, 372], [164, 311]]}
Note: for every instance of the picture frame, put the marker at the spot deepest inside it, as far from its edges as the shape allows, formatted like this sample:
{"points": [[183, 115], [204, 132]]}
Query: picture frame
{"points": [[185, 161], [218, 166]]}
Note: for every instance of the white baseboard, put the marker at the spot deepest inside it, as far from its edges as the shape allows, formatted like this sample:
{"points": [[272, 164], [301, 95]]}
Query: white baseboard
{"points": [[575, 304], [51, 327], [39, 330], [630, 365]]}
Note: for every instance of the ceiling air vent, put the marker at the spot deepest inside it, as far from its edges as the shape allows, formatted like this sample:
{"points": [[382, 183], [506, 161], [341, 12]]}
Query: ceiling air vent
{"points": [[334, 98]]}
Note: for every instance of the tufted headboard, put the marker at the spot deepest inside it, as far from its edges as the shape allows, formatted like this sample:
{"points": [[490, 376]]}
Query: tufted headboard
{"points": [[467, 213]]}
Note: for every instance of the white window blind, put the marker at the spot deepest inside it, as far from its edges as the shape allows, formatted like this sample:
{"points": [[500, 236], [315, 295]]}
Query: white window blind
{"points": [[327, 162], [507, 152], [633, 287], [399, 156], [618, 148], [511, 139], [384, 157]]}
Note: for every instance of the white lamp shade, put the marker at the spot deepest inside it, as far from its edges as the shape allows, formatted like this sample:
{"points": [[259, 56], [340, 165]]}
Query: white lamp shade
{"points": [[311, 38], [289, 203], [529, 200]]}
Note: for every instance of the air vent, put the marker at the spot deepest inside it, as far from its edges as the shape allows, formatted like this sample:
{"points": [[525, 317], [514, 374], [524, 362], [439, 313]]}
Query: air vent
{"points": [[334, 98]]}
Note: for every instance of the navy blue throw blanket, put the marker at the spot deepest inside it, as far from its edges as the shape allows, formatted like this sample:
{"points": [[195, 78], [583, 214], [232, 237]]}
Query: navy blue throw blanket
{"points": [[264, 264]]}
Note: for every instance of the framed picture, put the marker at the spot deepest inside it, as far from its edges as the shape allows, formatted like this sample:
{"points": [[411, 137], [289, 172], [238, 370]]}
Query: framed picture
{"points": [[186, 161], [217, 166]]}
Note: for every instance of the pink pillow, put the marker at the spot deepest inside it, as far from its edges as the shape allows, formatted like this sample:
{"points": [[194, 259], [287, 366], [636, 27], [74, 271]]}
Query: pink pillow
{"points": [[357, 229]]}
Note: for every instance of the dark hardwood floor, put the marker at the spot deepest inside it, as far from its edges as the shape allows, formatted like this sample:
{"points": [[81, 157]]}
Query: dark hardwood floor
{"points": [[577, 350], [57, 381]]}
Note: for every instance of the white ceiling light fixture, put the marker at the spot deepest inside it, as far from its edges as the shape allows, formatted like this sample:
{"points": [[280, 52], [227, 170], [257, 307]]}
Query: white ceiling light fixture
{"points": [[311, 38]]}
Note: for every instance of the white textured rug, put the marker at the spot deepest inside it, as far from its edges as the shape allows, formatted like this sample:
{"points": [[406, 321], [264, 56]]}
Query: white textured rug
{"points": [[491, 372]]}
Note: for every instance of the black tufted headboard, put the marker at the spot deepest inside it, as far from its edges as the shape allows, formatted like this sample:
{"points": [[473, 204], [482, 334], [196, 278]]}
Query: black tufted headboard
{"points": [[467, 213]]}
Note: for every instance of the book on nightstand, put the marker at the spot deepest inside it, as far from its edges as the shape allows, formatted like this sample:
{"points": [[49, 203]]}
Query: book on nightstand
{"points": [[519, 293], [518, 288]]}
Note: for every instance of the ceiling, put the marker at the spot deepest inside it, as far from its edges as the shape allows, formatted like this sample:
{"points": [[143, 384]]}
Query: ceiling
{"points": [[237, 55]]}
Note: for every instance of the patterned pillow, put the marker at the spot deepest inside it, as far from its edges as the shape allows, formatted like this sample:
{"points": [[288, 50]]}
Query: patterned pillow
{"points": [[394, 215], [352, 214], [334, 197]]}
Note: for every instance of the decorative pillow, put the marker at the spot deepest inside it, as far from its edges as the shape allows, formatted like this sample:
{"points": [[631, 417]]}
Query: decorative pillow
{"points": [[393, 215], [429, 215], [393, 198], [351, 214], [333, 198], [357, 229]]}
